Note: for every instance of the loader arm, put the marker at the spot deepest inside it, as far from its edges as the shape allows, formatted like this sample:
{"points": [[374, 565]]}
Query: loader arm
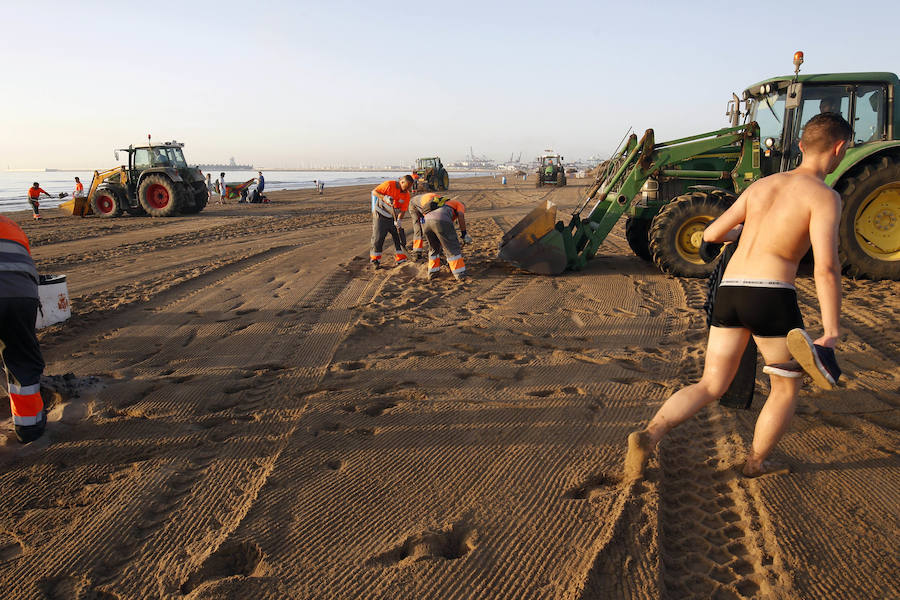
{"points": [[614, 193], [82, 206]]}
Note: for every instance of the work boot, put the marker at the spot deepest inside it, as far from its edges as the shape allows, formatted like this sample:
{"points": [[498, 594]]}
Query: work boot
{"points": [[461, 278], [36, 216], [376, 264], [402, 261], [28, 433]]}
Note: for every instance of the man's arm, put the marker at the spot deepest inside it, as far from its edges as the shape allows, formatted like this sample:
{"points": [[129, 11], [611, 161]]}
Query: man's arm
{"points": [[727, 228], [825, 217]]}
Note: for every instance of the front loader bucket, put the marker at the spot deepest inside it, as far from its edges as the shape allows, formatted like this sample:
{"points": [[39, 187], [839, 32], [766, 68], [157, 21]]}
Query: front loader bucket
{"points": [[534, 243]]}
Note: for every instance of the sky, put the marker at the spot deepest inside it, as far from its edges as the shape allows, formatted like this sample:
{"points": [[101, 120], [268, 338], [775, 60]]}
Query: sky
{"points": [[300, 84]]}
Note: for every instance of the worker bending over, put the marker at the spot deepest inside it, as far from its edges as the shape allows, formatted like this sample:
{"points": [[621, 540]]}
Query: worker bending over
{"points": [[390, 201], [420, 206], [18, 342], [441, 234], [34, 193]]}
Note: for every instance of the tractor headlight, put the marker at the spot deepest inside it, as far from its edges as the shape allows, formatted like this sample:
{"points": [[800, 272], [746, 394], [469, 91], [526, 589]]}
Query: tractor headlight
{"points": [[769, 142]]}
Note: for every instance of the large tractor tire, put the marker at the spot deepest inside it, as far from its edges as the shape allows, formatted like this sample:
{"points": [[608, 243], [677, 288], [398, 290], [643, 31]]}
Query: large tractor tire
{"points": [[540, 180], [561, 178], [158, 196], [445, 180], [869, 232], [196, 198], [677, 231], [637, 233], [107, 203]]}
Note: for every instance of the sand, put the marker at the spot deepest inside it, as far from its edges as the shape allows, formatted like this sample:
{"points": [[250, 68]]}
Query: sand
{"points": [[243, 409]]}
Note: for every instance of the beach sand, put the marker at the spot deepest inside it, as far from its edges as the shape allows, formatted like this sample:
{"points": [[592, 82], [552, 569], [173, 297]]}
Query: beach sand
{"points": [[251, 412]]}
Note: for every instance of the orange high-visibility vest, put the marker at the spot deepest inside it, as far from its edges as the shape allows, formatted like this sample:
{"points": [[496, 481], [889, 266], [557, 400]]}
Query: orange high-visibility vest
{"points": [[35, 193]]}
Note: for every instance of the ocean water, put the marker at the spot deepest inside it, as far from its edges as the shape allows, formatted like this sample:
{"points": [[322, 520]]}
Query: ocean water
{"points": [[14, 184]]}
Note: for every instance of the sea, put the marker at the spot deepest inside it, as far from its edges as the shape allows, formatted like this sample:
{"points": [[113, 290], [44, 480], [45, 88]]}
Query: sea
{"points": [[14, 184]]}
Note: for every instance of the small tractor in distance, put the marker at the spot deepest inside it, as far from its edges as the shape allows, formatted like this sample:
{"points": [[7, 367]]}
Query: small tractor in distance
{"points": [[551, 171], [671, 191], [157, 181], [431, 171]]}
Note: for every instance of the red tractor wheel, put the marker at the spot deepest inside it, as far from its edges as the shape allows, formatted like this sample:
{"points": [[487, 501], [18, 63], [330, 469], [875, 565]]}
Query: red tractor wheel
{"points": [[157, 196], [105, 202]]}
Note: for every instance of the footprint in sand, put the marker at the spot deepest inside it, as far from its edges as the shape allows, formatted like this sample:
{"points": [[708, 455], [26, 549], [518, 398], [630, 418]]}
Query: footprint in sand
{"points": [[243, 559]]}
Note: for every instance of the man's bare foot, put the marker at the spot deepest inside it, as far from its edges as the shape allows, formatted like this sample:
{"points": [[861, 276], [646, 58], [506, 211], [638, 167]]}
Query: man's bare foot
{"points": [[637, 456], [753, 470]]}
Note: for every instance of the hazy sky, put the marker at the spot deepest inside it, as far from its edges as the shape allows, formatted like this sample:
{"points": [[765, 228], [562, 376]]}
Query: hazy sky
{"points": [[285, 84]]}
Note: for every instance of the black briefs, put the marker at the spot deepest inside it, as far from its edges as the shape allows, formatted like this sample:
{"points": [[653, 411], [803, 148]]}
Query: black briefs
{"points": [[766, 308]]}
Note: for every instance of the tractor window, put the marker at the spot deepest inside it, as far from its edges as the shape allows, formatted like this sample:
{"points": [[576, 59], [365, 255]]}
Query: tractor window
{"points": [[141, 158], [868, 122], [768, 112], [821, 99], [176, 157]]}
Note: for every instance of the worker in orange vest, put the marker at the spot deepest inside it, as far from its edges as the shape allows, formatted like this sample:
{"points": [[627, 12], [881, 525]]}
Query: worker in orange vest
{"points": [[441, 234], [390, 201], [79, 189], [415, 176], [34, 192], [18, 313]]}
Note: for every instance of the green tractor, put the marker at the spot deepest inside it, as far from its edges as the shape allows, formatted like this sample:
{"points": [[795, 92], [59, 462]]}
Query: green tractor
{"points": [[431, 171], [671, 191], [551, 171], [157, 181]]}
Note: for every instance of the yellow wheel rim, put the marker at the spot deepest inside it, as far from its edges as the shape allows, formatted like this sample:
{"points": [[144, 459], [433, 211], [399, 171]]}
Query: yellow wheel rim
{"points": [[877, 223], [690, 236]]}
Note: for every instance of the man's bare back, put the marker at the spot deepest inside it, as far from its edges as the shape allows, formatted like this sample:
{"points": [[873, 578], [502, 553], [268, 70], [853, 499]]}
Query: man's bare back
{"points": [[781, 215]]}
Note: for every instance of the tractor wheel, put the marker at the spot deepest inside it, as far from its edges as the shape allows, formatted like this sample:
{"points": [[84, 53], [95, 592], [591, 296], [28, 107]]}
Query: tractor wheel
{"points": [[195, 198], [106, 202], [445, 180], [637, 233], [677, 231], [158, 196], [560, 178], [869, 232], [540, 181]]}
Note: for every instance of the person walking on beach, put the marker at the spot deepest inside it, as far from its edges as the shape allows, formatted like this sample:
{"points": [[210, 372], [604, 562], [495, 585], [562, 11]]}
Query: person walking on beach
{"points": [[441, 235], [34, 193], [210, 187], [320, 186], [777, 219], [222, 191], [22, 358], [390, 201]]}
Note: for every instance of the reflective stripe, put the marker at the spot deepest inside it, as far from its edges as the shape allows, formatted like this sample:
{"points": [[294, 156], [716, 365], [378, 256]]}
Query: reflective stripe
{"points": [[456, 264], [13, 248], [24, 390], [434, 264], [418, 244], [401, 256], [26, 421], [374, 256]]}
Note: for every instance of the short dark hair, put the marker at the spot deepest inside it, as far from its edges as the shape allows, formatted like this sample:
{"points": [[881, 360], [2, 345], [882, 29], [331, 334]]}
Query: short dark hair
{"points": [[407, 178], [824, 131]]}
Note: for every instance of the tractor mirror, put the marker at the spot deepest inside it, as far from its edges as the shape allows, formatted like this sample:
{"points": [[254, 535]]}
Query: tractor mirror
{"points": [[116, 153], [794, 95]]}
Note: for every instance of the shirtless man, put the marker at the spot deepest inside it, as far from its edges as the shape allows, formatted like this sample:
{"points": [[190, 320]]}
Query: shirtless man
{"points": [[777, 219]]}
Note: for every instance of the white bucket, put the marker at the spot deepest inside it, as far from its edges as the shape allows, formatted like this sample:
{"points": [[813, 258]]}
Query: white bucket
{"points": [[54, 296]]}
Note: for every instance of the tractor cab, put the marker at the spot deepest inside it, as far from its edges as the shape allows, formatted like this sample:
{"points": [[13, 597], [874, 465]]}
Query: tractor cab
{"points": [[782, 107]]}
